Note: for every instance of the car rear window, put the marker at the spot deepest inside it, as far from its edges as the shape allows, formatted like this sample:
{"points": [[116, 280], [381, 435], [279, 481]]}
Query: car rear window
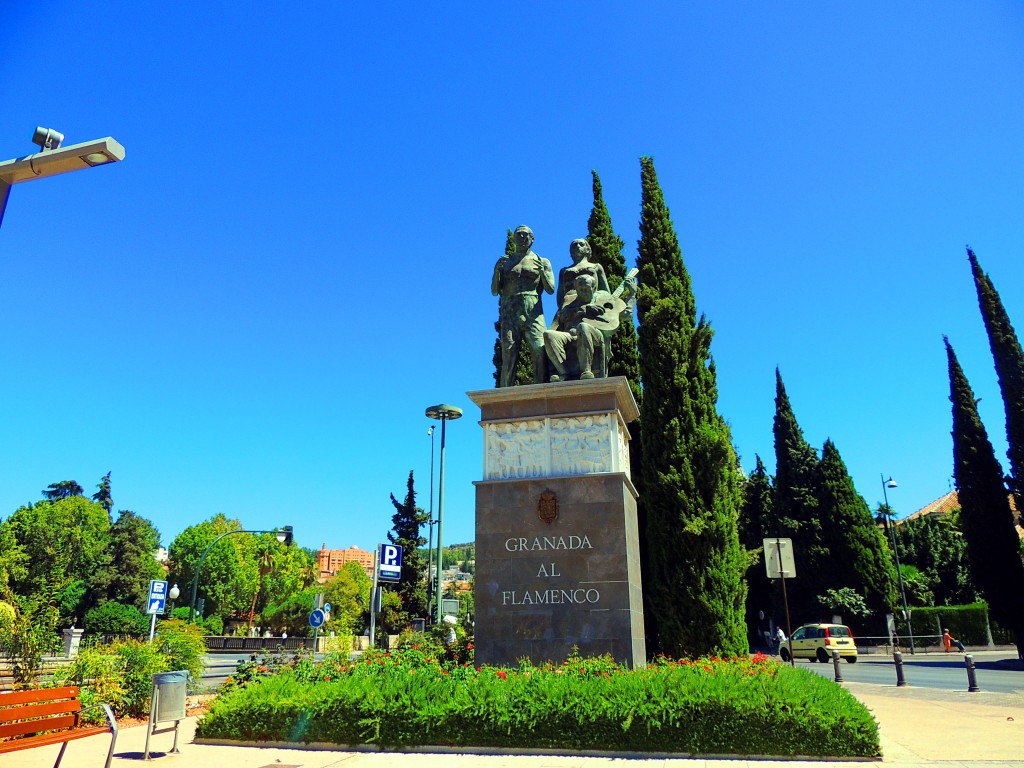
{"points": [[839, 631]]}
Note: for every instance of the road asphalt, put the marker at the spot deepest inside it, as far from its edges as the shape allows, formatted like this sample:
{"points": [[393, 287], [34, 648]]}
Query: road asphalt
{"points": [[918, 727]]}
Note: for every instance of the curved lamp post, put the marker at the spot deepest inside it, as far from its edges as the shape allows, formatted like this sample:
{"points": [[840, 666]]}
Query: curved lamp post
{"points": [[284, 535], [54, 159], [890, 483], [444, 413], [430, 523]]}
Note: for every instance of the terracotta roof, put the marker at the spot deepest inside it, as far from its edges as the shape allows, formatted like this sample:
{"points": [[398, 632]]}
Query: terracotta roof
{"points": [[950, 502]]}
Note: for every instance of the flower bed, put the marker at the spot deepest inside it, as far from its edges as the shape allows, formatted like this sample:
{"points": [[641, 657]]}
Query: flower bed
{"points": [[413, 698]]}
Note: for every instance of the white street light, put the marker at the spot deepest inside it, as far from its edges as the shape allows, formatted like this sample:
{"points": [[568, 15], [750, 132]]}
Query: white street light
{"points": [[54, 160], [890, 483]]}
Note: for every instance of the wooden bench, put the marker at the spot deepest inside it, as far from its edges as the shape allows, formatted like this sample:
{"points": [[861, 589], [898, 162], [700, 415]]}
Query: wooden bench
{"points": [[52, 716]]}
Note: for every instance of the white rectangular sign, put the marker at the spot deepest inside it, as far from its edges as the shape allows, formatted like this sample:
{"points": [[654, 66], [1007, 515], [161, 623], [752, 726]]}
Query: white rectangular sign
{"points": [[778, 558]]}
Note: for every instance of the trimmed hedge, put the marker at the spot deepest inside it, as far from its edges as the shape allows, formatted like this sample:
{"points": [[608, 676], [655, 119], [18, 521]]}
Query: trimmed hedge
{"points": [[707, 707], [965, 622]]}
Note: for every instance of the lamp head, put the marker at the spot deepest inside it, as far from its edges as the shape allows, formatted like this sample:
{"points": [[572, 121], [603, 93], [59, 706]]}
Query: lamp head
{"points": [[174, 592], [890, 483], [47, 138], [285, 535]]}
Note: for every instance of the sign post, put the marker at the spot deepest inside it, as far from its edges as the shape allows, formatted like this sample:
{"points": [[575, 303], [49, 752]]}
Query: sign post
{"points": [[156, 602], [779, 564]]}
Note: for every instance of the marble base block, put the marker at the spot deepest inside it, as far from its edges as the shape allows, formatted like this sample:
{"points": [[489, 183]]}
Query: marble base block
{"points": [[557, 554]]}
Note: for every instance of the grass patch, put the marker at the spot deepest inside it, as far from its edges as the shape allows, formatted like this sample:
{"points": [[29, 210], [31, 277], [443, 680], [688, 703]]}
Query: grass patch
{"points": [[413, 698]]}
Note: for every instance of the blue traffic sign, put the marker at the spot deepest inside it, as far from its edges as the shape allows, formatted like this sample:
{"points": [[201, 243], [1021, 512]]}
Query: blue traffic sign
{"points": [[389, 561], [157, 597], [316, 618], [327, 607]]}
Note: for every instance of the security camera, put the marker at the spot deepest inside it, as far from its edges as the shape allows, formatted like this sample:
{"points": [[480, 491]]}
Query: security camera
{"points": [[47, 138]]}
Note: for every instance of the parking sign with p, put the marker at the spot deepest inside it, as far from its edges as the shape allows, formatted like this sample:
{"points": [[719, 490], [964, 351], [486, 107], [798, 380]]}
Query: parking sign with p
{"points": [[389, 559]]}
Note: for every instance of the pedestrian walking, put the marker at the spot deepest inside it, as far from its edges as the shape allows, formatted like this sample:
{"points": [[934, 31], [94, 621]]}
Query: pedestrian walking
{"points": [[780, 636], [948, 641]]}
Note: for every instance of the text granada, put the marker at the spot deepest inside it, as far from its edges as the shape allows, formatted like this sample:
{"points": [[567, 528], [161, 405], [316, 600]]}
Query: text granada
{"points": [[547, 542]]}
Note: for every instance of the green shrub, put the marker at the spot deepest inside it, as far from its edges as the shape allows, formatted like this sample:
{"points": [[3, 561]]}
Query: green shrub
{"points": [[117, 619], [711, 706], [119, 674], [213, 625], [183, 647], [965, 622]]}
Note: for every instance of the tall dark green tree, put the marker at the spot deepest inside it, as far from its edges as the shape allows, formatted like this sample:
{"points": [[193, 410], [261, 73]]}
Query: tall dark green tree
{"points": [[129, 564], [62, 490], [102, 495], [524, 366], [993, 546], [859, 556], [406, 522], [756, 523], [1009, 362], [691, 477], [797, 498], [934, 544], [606, 248]]}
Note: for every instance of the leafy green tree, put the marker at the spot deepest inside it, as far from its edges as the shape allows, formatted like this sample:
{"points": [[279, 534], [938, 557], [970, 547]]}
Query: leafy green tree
{"points": [[102, 495], [756, 523], [797, 499], [859, 557], [845, 602], [13, 562], [58, 544], [406, 521], [992, 542], [935, 545], [524, 366], [691, 477], [230, 573], [128, 563], [1009, 362], [292, 572], [62, 490], [348, 592]]}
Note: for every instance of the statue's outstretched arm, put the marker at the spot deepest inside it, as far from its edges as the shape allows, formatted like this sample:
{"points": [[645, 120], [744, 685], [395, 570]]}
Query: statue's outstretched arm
{"points": [[496, 277], [547, 276]]}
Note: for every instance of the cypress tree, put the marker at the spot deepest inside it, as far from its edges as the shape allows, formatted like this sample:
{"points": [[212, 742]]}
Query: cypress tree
{"points": [[407, 521], [797, 494], [1009, 362], [606, 247], [993, 546], [756, 523], [524, 367], [691, 478], [859, 557]]}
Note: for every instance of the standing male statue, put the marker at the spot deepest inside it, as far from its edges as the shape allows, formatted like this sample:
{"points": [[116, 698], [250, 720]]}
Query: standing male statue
{"points": [[519, 279]]}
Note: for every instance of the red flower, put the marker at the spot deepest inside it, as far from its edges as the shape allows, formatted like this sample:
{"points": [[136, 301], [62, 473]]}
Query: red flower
{"points": [[502, 674], [328, 678]]}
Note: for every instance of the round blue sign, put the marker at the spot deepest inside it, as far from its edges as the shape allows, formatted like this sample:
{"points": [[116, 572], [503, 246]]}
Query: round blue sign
{"points": [[327, 607], [316, 618]]}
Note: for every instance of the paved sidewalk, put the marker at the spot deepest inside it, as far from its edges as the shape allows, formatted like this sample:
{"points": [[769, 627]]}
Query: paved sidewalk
{"points": [[919, 727]]}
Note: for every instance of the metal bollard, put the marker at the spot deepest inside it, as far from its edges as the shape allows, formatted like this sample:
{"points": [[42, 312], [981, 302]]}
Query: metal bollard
{"points": [[835, 665], [972, 679], [897, 659]]}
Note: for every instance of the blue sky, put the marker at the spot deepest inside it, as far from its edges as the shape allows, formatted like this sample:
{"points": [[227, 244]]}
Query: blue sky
{"points": [[250, 314]]}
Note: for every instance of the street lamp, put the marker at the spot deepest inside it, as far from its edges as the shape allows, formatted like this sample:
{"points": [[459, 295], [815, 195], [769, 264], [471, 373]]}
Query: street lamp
{"points": [[54, 159], [890, 483], [444, 413], [284, 535], [430, 522]]}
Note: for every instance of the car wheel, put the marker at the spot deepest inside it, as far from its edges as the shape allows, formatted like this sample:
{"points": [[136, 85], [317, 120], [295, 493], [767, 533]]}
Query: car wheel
{"points": [[784, 653], [851, 659], [822, 655]]}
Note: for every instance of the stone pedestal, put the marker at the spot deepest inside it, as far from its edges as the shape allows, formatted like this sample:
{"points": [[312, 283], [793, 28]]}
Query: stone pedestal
{"points": [[72, 640], [557, 553]]}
